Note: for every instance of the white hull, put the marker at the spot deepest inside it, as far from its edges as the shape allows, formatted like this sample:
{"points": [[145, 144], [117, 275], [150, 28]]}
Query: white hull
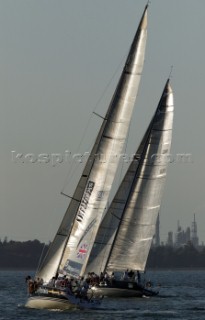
{"points": [[52, 298], [38, 302], [43, 302]]}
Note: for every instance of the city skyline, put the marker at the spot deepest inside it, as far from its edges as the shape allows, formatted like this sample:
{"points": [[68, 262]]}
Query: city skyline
{"points": [[180, 236]]}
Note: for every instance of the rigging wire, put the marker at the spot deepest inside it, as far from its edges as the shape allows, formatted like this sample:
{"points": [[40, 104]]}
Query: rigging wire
{"points": [[40, 259], [72, 170]]}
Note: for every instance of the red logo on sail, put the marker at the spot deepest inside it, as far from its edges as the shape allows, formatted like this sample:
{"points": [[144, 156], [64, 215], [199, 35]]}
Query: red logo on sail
{"points": [[82, 251]]}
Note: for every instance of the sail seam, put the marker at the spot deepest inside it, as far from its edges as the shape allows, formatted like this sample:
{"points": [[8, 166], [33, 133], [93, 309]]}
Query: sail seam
{"points": [[133, 73], [111, 138]]}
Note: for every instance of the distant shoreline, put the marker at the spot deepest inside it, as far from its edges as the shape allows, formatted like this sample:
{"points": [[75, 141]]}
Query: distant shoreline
{"points": [[147, 270], [24, 256]]}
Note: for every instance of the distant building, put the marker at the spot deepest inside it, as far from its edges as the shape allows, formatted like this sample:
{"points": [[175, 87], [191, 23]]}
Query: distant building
{"points": [[194, 237], [170, 242], [157, 235], [178, 235]]}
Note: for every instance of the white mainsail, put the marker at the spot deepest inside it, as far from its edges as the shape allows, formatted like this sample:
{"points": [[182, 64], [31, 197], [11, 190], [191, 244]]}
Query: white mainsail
{"points": [[124, 237], [72, 244]]}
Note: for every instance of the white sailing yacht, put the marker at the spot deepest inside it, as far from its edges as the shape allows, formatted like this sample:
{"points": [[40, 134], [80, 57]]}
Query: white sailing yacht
{"points": [[69, 252], [125, 235]]}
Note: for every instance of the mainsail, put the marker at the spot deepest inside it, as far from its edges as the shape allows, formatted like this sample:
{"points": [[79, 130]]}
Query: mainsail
{"points": [[124, 237], [70, 250]]}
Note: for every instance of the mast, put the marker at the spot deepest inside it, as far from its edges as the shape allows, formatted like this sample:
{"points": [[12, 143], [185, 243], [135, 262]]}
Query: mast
{"points": [[73, 242], [137, 226], [125, 234]]}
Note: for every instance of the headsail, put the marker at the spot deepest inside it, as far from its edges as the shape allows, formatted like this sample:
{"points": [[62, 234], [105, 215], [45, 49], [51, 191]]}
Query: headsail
{"points": [[73, 242], [125, 234]]}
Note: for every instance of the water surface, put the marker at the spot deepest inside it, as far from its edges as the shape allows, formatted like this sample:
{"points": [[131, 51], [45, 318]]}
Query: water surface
{"points": [[182, 296]]}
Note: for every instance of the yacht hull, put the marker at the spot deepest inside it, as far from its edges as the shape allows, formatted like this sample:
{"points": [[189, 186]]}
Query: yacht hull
{"points": [[46, 298], [40, 302], [123, 289]]}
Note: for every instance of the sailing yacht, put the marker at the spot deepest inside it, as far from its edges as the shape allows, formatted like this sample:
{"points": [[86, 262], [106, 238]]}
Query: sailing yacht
{"points": [[125, 235], [69, 252]]}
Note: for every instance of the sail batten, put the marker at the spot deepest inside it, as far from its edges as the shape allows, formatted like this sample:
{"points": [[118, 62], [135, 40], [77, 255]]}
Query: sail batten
{"points": [[81, 220]]}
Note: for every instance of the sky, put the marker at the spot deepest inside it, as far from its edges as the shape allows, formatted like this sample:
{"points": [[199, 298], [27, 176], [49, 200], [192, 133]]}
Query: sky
{"points": [[59, 62]]}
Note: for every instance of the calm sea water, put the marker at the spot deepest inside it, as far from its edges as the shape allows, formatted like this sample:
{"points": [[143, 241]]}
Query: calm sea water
{"points": [[182, 296]]}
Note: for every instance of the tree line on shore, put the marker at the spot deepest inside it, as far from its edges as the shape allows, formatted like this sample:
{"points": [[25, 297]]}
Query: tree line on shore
{"points": [[26, 255], [21, 255]]}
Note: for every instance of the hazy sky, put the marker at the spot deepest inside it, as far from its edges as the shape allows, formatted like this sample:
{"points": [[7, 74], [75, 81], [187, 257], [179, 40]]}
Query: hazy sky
{"points": [[58, 58]]}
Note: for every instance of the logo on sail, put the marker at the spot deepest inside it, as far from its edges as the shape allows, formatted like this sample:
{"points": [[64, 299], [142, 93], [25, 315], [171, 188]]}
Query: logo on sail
{"points": [[71, 268], [82, 251], [85, 199], [100, 195]]}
